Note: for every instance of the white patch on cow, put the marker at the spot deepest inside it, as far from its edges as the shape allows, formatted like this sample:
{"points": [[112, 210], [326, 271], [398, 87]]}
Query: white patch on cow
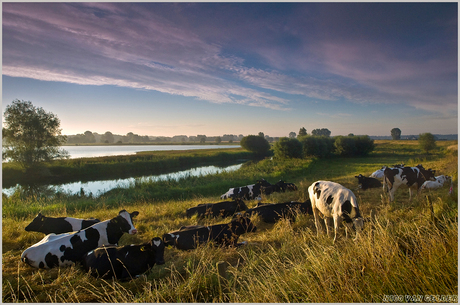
{"points": [[127, 216], [157, 243], [378, 174], [126, 254], [75, 223]]}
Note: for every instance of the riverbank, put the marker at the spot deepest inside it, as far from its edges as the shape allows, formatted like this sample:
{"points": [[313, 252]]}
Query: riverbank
{"points": [[113, 167]]}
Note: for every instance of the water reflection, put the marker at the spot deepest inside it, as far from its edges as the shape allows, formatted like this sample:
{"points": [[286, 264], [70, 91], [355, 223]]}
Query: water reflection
{"points": [[97, 188]]}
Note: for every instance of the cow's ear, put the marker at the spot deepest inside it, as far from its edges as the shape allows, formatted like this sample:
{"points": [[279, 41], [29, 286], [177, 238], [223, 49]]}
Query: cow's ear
{"points": [[135, 213]]}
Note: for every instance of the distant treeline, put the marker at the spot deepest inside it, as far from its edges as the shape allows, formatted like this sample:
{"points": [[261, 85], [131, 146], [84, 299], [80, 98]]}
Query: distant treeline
{"points": [[415, 137]]}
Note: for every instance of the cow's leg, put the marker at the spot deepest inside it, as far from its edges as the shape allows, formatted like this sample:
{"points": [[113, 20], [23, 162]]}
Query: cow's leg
{"points": [[318, 223], [329, 224], [337, 221]]}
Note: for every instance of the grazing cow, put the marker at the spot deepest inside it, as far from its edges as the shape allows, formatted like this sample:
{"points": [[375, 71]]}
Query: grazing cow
{"points": [[124, 262], [58, 225], [270, 213], [224, 209], [246, 192], [190, 237], [336, 202], [379, 173], [413, 177], [438, 183], [367, 182], [279, 186], [68, 248]]}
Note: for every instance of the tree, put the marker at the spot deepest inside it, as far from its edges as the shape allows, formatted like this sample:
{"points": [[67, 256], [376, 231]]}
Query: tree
{"points": [[302, 132], [31, 135], [321, 132], [261, 134], [218, 140], [107, 137], [427, 142], [292, 135], [288, 148], [256, 144], [396, 134]]}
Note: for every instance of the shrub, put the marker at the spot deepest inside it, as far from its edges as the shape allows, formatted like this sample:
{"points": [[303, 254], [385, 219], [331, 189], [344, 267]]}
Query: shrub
{"points": [[288, 148], [255, 144], [317, 146], [353, 145], [427, 142]]}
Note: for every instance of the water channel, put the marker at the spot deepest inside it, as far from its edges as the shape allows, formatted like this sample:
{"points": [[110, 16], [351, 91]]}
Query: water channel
{"points": [[97, 188]]}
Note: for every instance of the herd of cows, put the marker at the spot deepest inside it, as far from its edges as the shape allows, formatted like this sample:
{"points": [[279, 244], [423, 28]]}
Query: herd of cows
{"points": [[93, 243]]}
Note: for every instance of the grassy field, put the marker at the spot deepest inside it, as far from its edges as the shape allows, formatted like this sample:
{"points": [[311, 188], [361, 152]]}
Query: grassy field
{"points": [[410, 248]]}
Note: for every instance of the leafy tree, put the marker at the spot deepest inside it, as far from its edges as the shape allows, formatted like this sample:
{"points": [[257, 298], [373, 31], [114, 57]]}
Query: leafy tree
{"points": [[354, 145], [256, 144], [107, 137], [89, 137], [288, 148], [302, 132], [321, 132], [292, 135], [396, 134], [218, 140], [261, 134], [202, 138], [31, 135], [427, 142]]}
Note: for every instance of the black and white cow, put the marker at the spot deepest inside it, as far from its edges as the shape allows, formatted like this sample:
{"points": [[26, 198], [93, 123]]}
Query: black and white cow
{"points": [[379, 173], [413, 177], [438, 183], [279, 186], [58, 225], [335, 202], [367, 182], [124, 262], [271, 213], [68, 248], [190, 237], [246, 192], [224, 209]]}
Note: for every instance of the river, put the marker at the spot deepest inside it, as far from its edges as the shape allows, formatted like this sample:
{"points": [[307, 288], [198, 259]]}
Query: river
{"points": [[97, 188], [78, 151]]}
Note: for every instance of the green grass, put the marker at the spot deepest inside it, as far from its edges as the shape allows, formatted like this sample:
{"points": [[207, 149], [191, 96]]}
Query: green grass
{"points": [[408, 248]]}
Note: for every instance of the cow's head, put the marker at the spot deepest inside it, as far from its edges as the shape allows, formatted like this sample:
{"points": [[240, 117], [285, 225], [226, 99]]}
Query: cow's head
{"points": [[125, 221], [158, 246], [37, 223], [428, 174], [242, 224]]}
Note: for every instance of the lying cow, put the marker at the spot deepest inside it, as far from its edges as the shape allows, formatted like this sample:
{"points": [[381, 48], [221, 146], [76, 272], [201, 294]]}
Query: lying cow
{"points": [[413, 177], [271, 213], [58, 225], [68, 248], [379, 173], [246, 192], [222, 234], [334, 202], [367, 182], [124, 262], [224, 209], [279, 186], [438, 183]]}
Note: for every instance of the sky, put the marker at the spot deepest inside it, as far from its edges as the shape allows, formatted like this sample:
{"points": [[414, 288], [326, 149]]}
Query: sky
{"points": [[165, 69]]}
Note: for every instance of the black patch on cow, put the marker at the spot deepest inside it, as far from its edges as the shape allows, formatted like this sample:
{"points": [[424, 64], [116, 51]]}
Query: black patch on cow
{"points": [[88, 223], [51, 261], [41, 265], [79, 248], [62, 248], [329, 199], [346, 211]]}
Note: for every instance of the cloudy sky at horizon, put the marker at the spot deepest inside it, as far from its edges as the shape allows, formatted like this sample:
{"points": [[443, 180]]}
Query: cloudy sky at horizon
{"points": [[235, 68]]}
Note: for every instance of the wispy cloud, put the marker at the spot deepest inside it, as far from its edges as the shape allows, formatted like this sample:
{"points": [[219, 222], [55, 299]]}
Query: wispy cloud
{"points": [[172, 49]]}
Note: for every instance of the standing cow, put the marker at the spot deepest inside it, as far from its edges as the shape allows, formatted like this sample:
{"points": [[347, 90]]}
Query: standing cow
{"points": [[413, 177], [58, 225], [337, 203], [68, 248], [125, 262]]}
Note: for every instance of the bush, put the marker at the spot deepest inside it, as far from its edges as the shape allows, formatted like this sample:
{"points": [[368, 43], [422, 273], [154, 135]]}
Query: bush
{"points": [[317, 146], [353, 145], [255, 144], [427, 142], [288, 148]]}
